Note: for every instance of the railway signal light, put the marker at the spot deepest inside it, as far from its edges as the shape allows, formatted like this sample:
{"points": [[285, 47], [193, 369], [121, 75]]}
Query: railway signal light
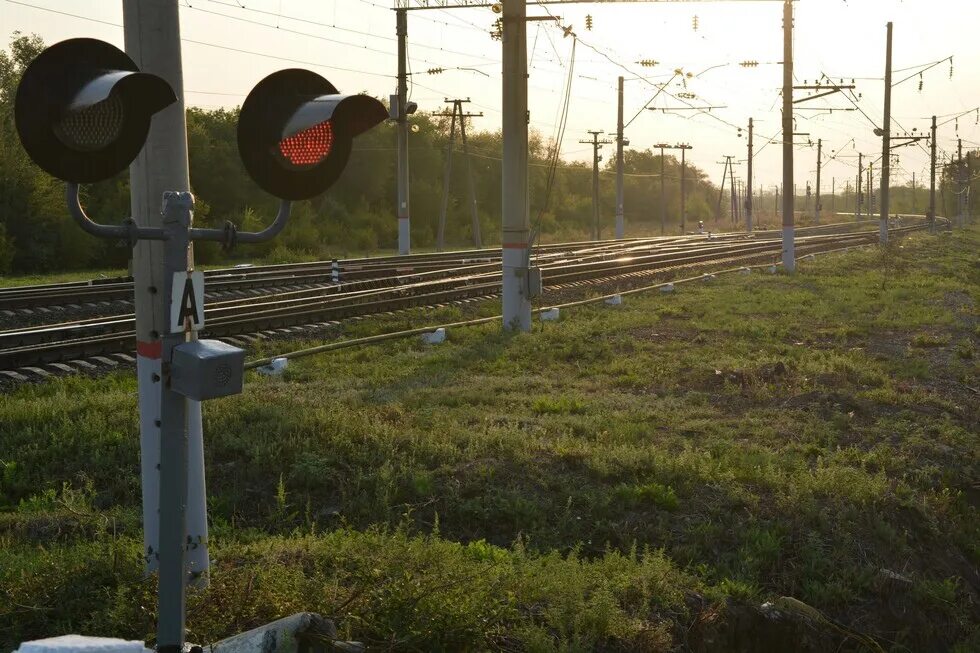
{"points": [[296, 131], [83, 109]]}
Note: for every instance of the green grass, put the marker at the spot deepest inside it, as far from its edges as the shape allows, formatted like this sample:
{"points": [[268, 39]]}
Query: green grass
{"points": [[623, 479]]}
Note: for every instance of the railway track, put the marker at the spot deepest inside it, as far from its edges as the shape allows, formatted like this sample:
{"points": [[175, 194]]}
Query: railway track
{"points": [[371, 288], [253, 281]]}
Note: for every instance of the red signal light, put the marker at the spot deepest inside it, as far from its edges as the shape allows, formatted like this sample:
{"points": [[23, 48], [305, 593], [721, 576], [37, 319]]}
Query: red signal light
{"points": [[309, 147]]}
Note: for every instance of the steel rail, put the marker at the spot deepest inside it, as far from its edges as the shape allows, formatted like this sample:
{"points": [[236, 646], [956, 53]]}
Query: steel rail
{"points": [[86, 341]]}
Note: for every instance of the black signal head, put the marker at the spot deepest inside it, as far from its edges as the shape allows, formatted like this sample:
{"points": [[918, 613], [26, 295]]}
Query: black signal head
{"points": [[83, 109], [295, 132]]}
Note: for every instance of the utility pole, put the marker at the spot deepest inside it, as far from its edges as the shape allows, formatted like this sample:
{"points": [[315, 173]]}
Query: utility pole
{"points": [[475, 224], [932, 180], [833, 195], [404, 223], [915, 205], [748, 194], [817, 206], [886, 147], [516, 253], [152, 40], [961, 185], [684, 149], [721, 188], [776, 208], [663, 193], [789, 245], [596, 145], [620, 164], [871, 191], [859, 198], [734, 193]]}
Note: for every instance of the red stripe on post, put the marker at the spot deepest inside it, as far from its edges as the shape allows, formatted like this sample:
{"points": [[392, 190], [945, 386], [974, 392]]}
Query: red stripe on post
{"points": [[514, 245], [149, 349]]}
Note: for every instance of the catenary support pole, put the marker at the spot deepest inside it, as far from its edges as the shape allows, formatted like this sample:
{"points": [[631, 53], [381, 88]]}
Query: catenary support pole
{"points": [[152, 40], [734, 192], [448, 173], [860, 180], [516, 220], [833, 195], [748, 193], [960, 186], [816, 205], [871, 191], [404, 222], [932, 179], [596, 144], [684, 189], [776, 207], [596, 226], [886, 145], [914, 202], [789, 244], [663, 194], [620, 164], [475, 212]]}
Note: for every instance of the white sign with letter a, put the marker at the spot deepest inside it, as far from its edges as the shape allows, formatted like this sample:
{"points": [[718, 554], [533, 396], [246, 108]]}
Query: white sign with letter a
{"points": [[187, 302]]}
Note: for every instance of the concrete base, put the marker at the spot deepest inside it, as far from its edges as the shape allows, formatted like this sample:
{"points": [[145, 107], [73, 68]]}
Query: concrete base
{"points": [[301, 633]]}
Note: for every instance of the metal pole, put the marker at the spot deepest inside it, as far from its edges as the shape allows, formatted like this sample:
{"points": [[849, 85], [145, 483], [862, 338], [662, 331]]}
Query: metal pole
{"points": [[721, 191], [748, 194], [663, 195], [961, 187], [860, 194], [789, 245], [886, 146], [441, 231], [475, 227], [152, 40], [177, 218], [596, 228], [683, 191], [833, 195], [915, 204], [871, 191], [620, 164], [404, 223], [734, 192], [516, 222], [776, 208], [932, 180], [817, 206]]}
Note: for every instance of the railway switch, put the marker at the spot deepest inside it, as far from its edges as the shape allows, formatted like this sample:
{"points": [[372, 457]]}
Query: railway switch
{"points": [[296, 132]]}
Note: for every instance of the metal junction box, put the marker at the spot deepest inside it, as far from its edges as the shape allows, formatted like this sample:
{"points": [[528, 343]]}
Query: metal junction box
{"points": [[207, 369]]}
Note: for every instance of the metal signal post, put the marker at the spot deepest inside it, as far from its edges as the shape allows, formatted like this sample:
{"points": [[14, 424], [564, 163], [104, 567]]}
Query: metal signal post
{"points": [[83, 112]]}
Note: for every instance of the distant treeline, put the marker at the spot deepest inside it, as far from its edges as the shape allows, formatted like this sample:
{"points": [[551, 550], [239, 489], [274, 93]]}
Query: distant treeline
{"points": [[357, 215]]}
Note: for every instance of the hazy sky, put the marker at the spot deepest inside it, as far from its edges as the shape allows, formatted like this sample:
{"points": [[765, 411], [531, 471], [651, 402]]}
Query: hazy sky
{"points": [[229, 45]]}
